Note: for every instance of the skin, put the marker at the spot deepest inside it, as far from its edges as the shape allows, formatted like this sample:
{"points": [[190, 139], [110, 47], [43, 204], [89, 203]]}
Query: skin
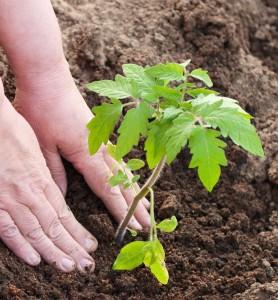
{"points": [[48, 121]]}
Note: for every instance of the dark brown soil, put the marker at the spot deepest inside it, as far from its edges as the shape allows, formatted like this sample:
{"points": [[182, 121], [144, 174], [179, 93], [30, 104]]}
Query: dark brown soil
{"points": [[226, 244]]}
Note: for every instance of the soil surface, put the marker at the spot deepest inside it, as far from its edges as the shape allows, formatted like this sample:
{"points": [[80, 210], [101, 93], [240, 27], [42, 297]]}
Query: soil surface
{"points": [[226, 244]]}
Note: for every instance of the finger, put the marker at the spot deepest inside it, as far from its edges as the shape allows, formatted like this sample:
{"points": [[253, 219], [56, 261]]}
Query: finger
{"points": [[14, 240], [66, 217], [56, 167], [141, 212], [32, 231], [52, 226]]}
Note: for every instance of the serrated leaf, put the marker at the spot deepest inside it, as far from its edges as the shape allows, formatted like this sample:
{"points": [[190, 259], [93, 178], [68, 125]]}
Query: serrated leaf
{"points": [[119, 89], [130, 256], [156, 141], [152, 97], [172, 96], [160, 271], [118, 178], [169, 72], [135, 164], [208, 155], [234, 125], [144, 81], [196, 92], [186, 63], [227, 102], [102, 125], [178, 134], [202, 75], [168, 225], [205, 109], [135, 123], [171, 112]]}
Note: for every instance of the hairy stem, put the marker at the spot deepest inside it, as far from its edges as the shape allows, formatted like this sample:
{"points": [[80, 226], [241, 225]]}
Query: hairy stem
{"points": [[141, 194]]}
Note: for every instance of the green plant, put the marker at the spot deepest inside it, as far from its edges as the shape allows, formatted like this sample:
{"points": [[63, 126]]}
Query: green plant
{"points": [[165, 106]]}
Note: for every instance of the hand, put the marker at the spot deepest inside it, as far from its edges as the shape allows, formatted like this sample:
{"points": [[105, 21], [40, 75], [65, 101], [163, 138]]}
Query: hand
{"points": [[58, 114], [35, 221]]}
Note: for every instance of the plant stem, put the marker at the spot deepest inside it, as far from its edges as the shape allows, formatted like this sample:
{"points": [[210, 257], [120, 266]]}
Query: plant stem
{"points": [[141, 194], [153, 232]]}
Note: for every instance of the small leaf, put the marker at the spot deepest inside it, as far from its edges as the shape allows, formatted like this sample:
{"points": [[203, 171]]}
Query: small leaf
{"points": [[118, 178], [127, 185], [135, 178], [144, 81], [132, 232], [202, 75], [111, 149], [186, 63], [130, 256], [156, 141], [171, 112], [208, 155], [169, 72], [160, 271], [119, 89], [135, 164], [168, 225], [104, 122], [178, 134], [134, 124], [172, 96], [196, 92]]}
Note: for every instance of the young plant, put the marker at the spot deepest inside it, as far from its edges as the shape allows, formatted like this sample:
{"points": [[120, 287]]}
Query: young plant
{"points": [[171, 111]]}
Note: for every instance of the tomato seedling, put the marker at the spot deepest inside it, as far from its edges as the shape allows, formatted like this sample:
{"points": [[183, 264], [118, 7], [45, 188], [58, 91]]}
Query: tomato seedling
{"points": [[171, 111]]}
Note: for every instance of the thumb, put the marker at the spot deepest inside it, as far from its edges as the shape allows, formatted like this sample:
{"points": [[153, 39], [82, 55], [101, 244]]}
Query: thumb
{"points": [[56, 168]]}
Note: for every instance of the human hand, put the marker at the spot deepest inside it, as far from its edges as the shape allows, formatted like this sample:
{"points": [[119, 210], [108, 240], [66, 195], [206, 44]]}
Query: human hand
{"points": [[58, 114], [35, 221]]}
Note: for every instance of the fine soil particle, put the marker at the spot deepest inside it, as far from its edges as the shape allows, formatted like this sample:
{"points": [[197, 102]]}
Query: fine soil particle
{"points": [[225, 246]]}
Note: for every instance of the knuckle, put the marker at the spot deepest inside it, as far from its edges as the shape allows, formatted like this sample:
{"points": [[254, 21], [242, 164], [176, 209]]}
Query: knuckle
{"points": [[9, 231], [35, 234], [55, 230]]}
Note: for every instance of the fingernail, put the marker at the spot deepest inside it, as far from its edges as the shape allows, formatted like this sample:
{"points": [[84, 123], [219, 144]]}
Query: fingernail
{"points": [[87, 265], [90, 244], [67, 264], [34, 259]]}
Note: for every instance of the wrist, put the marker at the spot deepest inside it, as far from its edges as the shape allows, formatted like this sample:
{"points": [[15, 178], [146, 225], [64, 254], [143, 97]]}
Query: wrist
{"points": [[46, 81]]}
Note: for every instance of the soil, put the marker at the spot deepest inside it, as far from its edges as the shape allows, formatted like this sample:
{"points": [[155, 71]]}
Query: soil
{"points": [[226, 244]]}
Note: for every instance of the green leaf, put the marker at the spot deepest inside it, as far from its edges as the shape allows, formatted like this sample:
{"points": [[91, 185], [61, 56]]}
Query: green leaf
{"points": [[152, 97], [208, 155], [227, 102], [130, 256], [132, 232], [135, 164], [144, 81], [186, 63], [102, 125], [172, 96], [111, 149], [156, 141], [202, 75], [135, 178], [178, 134], [196, 92], [119, 89], [118, 178], [127, 185], [169, 72], [160, 271], [171, 112], [234, 125], [135, 123], [168, 225]]}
